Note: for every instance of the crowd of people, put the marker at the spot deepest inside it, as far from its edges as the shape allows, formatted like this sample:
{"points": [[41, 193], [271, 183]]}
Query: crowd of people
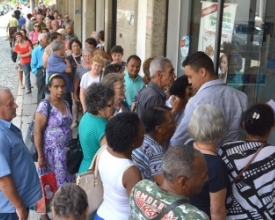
{"points": [[170, 142]]}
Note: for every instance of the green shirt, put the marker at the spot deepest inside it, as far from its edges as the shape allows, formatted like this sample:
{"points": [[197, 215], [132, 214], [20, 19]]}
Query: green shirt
{"points": [[147, 200], [91, 129], [13, 22], [132, 87]]}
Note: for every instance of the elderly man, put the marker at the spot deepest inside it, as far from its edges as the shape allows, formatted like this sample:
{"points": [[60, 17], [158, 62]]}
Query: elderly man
{"points": [[48, 22], [55, 25], [210, 90], [70, 32], [162, 77], [19, 182], [37, 65], [39, 19], [58, 64], [67, 20], [185, 172]]}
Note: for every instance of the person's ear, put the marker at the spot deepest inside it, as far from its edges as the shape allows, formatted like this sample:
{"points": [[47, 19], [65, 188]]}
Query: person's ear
{"points": [[159, 129], [181, 181], [202, 72]]}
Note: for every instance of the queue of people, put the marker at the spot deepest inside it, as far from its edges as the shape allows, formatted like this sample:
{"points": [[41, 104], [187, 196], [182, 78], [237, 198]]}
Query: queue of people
{"points": [[172, 144]]}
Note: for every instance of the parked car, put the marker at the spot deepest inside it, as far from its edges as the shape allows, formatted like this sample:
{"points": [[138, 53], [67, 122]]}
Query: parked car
{"points": [[6, 10], [1, 10]]}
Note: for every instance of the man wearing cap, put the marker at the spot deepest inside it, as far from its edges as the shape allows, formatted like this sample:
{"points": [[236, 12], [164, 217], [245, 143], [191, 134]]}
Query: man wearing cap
{"points": [[67, 21]]}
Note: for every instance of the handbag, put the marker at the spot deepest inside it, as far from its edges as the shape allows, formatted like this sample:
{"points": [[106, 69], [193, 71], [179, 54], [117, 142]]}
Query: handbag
{"points": [[74, 155], [49, 188], [29, 141], [169, 208], [248, 164], [91, 182]]}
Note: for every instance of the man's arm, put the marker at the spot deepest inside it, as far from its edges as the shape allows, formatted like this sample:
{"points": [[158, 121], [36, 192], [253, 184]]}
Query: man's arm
{"points": [[68, 68], [8, 188]]}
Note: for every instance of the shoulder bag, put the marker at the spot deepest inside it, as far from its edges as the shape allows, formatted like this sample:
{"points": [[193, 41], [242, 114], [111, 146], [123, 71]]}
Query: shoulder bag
{"points": [[74, 155], [91, 182], [248, 164], [169, 208], [29, 142]]}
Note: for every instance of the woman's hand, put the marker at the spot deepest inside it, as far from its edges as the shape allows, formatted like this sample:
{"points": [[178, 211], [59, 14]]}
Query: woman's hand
{"points": [[42, 162]]}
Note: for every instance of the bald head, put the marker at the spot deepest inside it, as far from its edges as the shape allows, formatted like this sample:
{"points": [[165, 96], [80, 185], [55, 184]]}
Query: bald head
{"points": [[69, 29], [55, 25]]}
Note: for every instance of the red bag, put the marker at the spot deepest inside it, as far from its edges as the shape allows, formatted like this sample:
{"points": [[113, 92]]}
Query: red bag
{"points": [[49, 188]]}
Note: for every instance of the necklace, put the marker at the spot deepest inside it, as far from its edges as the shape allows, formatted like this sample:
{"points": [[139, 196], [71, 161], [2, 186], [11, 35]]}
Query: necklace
{"points": [[202, 149]]}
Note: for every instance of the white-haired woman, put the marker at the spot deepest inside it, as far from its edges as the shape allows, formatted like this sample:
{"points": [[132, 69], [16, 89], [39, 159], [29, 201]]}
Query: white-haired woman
{"points": [[207, 127]]}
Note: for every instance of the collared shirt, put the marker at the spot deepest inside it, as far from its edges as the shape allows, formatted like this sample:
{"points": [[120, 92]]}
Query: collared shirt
{"points": [[231, 102], [132, 86], [16, 161], [148, 158], [69, 37], [37, 58], [56, 64], [151, 95]]}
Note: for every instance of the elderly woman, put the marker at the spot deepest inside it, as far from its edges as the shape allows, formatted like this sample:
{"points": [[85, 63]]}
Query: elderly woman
{"points": [[124, 133], [91, 129], [93, 76], [33, 35], [81, 69], [116, 82], [23, 48], [206, 127], [52, 133], [159, 127], [251, 167], [70, 202]]}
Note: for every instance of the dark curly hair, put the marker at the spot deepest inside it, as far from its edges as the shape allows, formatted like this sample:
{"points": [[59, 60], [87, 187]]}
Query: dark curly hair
{"points": [[96, 97], [70, 201], [121, 131], [74, 40], [179, 86], [153, 116], [258, 119]]}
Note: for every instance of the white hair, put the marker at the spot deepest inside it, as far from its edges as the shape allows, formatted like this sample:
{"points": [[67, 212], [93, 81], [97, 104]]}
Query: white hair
{"points": [[42, 36], [157, 64], [3, 89], [62, 31], [206, 124]]}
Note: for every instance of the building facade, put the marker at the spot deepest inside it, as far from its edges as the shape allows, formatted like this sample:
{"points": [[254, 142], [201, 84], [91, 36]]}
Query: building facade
{"points": [[240, 34]]}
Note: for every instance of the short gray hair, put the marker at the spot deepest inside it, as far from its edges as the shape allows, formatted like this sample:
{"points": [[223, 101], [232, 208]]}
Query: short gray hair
{"points": [[70, 200], [110, 79], [62, 31], [206, 124], [4, 89], [179, 161], [88, 50], [157, 64], [42, 36], [57, 45]]}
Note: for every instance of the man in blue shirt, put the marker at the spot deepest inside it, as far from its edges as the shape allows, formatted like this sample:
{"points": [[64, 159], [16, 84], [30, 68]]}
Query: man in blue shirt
{"points": [[22, 21], [57, 63], [37, 66], [199, 69], [19, 182], [133, 82]]}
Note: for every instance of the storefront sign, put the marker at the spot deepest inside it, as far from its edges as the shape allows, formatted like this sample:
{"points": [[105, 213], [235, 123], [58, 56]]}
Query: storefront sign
{"points": [[208, 26], [184, 46]]}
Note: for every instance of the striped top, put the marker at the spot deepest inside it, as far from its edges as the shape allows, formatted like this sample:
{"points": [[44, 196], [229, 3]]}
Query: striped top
{"points": [[148, 158], [253, 193]]}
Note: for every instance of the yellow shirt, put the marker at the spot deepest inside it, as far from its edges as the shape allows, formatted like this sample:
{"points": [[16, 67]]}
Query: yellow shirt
{"points": [[13, 22]]}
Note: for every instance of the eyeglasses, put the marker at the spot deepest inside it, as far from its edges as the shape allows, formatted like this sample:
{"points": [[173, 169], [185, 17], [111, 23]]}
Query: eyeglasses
{"points": [[36, 26], [122, 87]]}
